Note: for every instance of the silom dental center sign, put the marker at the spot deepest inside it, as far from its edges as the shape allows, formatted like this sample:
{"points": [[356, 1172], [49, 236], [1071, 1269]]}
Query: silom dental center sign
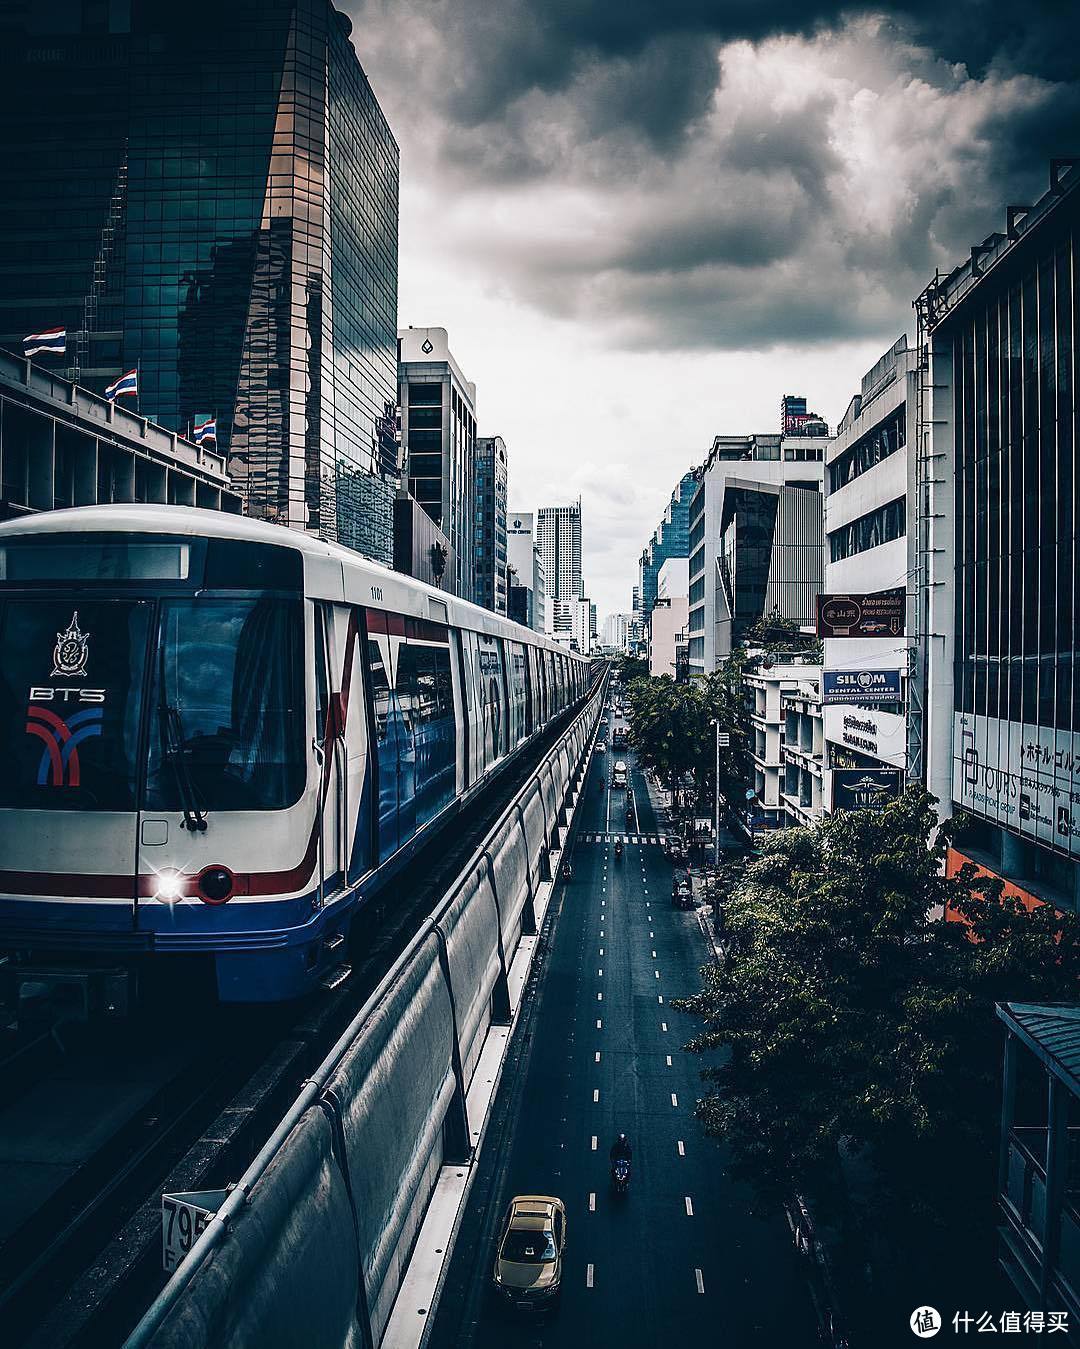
{"points": [[860, 686]]}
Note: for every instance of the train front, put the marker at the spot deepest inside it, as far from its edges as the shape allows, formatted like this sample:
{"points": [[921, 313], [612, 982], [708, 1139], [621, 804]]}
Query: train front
{"points": [[159, 795]]}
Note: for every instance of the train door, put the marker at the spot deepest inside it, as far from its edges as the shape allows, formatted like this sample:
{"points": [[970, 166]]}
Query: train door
{"points": [[530, 690], [329, 753], [385, 732], [350, 725]]}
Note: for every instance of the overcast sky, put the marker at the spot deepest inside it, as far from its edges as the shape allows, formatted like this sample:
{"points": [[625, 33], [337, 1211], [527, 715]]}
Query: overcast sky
{"points": [[643, 223]]}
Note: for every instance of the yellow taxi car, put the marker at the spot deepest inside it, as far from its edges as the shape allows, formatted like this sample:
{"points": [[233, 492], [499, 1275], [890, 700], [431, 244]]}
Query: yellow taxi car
{"points": [[529, 1254]]}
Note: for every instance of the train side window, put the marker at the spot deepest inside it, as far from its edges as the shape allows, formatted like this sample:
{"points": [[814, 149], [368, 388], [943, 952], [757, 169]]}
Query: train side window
{"points": [[380, 689], [322, 686]]}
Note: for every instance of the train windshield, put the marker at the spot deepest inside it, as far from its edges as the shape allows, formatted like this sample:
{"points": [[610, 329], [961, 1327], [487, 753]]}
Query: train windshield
{"points": [[206, 694], [227, 706]]}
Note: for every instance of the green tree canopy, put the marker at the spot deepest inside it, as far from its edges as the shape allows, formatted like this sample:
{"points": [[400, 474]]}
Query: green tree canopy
{"points": [[851, 1013]]}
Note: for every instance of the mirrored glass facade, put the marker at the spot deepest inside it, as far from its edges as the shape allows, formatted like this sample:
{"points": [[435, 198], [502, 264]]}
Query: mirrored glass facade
{"points": [[209, 194]]}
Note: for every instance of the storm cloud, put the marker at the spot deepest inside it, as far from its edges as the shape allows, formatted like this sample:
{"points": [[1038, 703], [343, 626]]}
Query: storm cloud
{"points": [[719, 176]]}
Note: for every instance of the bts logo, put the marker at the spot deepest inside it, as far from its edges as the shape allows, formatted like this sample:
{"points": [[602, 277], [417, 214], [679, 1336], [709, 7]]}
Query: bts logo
{"points": [[59, 765]]}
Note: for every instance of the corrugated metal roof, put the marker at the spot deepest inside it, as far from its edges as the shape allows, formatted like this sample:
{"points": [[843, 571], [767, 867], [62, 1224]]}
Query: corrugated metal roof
{"points": [[1051, 1031]]}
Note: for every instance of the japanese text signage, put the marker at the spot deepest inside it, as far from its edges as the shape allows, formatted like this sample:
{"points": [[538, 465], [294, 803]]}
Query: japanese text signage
{"points": [[1024, 777], [860, 686], [879, 615]]}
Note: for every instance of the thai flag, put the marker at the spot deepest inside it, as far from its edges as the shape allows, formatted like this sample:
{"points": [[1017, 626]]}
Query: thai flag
{"points": [[52, 339], [205, 431], [126, 384]]}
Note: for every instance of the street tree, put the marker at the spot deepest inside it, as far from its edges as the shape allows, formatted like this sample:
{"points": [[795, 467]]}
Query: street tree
{"points": [[853, 1018]]}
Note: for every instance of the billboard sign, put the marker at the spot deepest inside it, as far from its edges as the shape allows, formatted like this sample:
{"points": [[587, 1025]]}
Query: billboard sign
{"points": [[865, 788], [881, 614], [1025, 778], [860, 686]]}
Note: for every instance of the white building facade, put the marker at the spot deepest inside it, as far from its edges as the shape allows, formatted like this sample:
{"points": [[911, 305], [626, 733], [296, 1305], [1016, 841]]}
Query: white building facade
{"points": [[869, 502], [559, 537]]}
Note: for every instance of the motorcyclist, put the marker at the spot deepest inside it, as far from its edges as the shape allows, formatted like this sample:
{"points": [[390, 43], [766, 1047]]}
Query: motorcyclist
{"points": [[618, 848], [621, 1150]]}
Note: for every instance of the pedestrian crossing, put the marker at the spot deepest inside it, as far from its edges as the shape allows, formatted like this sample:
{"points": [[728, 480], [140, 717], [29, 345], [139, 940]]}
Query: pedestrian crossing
{"points": [[656, 839]]}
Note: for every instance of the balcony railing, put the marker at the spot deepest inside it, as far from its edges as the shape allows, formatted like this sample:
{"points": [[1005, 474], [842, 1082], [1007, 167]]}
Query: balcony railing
{"points": [[1023, 1207]]}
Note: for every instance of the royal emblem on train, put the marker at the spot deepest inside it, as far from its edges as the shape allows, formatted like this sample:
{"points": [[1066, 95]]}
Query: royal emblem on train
{"points": [[71, 651]]}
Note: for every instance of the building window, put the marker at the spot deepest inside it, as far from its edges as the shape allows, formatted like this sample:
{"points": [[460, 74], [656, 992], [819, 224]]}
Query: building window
{"points": [[868, 450], [888, 522]]}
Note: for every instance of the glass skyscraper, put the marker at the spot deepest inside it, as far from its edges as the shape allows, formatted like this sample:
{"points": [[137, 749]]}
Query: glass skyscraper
{"points": [[671, 538], [208, 194]]}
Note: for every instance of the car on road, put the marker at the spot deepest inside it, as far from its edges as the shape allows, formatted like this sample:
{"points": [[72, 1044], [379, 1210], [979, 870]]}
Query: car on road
{"points": [[682, 891], [601, 747], [618, 775], [529, 1255]]}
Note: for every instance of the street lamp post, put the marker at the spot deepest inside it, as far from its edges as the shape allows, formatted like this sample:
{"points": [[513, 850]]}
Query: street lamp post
{"points": [[722, 739]]}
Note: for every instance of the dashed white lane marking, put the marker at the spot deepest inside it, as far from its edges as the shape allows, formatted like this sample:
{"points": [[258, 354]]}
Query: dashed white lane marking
{"points": [[680, 1145], [674, 1099], [596, 1095], [596, 1058], [599, 997], [651, 933], [588, 1276], [601, 950], [646, 903], [594, 1143], [663, 1025], [659, 997], [603, 902], [668, 1057], [592, 1202], [599, 1024], [600, 971], [653, 954], [699, 1281], [689, 1207], [656, 972]]}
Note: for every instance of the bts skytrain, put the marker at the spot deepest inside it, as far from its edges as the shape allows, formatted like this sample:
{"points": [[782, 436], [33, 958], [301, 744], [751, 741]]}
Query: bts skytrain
{"points": [[219, 737]]}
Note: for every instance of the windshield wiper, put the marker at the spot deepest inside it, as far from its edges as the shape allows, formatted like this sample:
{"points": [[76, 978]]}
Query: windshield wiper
{"points": [[173, 734]]}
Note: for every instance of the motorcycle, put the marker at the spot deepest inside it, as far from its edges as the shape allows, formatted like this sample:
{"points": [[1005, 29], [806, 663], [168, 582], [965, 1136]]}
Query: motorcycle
{"points": [[566, 871], [618, 850], [620, 1175]]}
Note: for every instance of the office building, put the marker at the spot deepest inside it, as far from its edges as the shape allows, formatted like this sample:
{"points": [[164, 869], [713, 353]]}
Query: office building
{"points": [[802, 750], [207, 195], [669, 617], [525, 562], [559, 536], [756, 540], [797, 420], [996, 590], [489, 532], [769, 688], [421, 549], [671, 538], [869, 501], [582, 625], [438, 440], [64, 446], [615, 633]]}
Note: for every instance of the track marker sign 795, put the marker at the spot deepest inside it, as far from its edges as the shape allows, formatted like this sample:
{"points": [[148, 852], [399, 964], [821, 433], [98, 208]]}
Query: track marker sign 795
{"points": [[183, 1219]]}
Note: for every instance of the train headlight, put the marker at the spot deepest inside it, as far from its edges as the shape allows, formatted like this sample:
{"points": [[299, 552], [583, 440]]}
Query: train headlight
{"points": [[169, 887], [215, 885]]}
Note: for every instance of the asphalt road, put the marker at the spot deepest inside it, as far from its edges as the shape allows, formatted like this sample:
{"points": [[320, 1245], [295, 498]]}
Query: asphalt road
{"points": [[684, 1254]]}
